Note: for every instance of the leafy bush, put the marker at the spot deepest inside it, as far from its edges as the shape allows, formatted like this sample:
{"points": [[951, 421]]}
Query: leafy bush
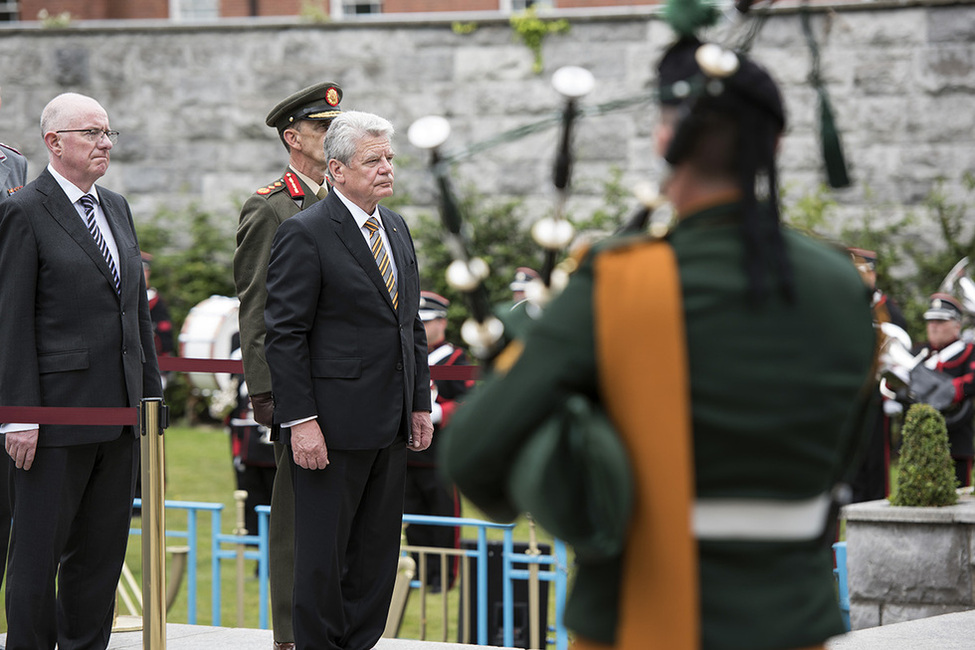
{"points": [[910, 267], [193, 255], [927, 474]]}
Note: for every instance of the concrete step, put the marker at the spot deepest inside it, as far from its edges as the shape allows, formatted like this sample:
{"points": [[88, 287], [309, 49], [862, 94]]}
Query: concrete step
{"points": [[202, 637], [946, 632]]}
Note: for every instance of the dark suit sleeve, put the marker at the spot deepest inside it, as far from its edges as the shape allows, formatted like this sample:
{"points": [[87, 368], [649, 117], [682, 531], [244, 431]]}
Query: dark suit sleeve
{"points": [[421, 389], [19, 378], [293, 285], [151, 381]]}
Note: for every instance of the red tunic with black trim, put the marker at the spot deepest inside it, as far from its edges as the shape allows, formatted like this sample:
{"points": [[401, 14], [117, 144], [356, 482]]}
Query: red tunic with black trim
{"points": [[960, 366]]}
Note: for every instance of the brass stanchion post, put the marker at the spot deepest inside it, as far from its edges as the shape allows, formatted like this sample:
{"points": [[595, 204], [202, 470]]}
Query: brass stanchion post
{"points": [[153, 421]]}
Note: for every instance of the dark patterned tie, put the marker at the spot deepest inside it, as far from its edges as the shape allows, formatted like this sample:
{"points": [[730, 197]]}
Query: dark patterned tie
{"points": [[88, 203], [382, 259]]}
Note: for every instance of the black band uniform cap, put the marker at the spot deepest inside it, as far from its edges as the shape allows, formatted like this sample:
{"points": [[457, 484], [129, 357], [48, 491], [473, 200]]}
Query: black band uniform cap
{"points": [[943, 306], [318, 102], [432, 306]]}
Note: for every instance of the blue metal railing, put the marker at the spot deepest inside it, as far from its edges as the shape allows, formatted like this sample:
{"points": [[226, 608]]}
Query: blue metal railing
{"points": [[558, 574]]}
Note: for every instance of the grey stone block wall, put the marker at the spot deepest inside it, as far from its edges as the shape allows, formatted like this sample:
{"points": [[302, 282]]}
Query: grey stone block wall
{"points": [[190, 100], [909, 563]]}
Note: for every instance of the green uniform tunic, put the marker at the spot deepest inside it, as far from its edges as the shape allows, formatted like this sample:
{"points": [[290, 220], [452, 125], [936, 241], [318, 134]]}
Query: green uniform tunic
{"points": [[777, 393]]}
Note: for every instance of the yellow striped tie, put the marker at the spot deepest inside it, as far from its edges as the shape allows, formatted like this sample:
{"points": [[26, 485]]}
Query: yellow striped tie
{"points": [[382, 259]]}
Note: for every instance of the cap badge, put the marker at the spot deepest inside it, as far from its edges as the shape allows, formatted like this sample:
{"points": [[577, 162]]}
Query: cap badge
{"points": [[332, 96], [936, 303]]}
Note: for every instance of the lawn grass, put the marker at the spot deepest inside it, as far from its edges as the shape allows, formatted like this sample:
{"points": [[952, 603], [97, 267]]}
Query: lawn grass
{"points": [[199, 468]]}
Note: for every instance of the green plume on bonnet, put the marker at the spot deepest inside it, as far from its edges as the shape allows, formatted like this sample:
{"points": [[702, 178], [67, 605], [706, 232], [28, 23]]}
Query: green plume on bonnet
{"points": [[686, 17]]}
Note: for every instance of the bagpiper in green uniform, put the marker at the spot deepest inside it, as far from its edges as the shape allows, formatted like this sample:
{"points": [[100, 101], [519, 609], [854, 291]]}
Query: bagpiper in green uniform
{"points": [[301, 121], [777, 346]]}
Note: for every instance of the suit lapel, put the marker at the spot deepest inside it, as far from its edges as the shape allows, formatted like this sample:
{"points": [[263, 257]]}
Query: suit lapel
{"points": [[399, 244], [351, 236], [118, 222], [61, 210]]}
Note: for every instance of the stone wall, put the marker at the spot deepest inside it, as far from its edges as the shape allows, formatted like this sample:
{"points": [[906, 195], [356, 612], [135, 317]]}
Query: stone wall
{"points": [[190, 101], [908, 563]]}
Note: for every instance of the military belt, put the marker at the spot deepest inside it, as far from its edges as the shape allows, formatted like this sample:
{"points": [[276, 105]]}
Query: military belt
{"points": [[760, 519]]}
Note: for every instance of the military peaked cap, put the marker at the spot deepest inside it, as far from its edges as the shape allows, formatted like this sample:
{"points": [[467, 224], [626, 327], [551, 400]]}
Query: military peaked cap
{"points": [[318, 102]]}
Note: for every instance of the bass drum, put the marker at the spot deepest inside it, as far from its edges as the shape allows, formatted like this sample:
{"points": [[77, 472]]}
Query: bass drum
{"points": [[208, 333]]}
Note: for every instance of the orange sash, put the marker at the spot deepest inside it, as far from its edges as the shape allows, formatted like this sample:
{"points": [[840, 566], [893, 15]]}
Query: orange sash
{"points": [[640, 344]]}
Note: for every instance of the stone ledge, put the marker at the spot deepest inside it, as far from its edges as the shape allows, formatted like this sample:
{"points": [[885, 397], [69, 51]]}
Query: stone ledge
{"points": [[947, 632], [963, 512]]}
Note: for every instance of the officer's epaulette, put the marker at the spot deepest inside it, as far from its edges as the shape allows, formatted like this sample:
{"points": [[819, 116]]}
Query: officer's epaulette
{"points": [[276, 186], [7, 146]]}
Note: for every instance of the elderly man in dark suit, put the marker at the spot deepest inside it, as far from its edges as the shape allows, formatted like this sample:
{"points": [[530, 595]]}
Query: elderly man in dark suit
{"points": [[75, 332], [301, 120], [347, 354]]}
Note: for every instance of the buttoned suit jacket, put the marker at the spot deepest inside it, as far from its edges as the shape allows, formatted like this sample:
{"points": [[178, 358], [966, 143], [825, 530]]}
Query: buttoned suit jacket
{"points": [[68, 338], [335, 345]]}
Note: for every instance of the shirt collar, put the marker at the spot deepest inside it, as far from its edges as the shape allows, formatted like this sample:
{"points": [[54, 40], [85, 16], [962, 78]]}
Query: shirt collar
{"points": [[73, 191], [358, 213]]}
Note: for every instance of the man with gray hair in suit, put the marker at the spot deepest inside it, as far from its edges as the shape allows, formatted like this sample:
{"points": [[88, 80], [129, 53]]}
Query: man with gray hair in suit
{"points": [[348, 358], [75, 332]]}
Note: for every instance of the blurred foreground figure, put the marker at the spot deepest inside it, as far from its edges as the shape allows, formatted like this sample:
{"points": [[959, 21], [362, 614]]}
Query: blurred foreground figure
{"points": [[733, 358]]}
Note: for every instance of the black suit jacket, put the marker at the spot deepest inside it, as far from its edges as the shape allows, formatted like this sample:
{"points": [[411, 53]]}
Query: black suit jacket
{"points": [[68, 338], [335, 345]]}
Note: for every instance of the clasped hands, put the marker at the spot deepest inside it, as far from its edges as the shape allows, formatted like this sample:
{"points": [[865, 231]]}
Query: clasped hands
{"points": [[310, 452]]}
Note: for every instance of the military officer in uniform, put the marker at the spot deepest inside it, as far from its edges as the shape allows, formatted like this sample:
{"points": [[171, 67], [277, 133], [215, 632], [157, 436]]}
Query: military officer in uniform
{"points": [[946, 352], [427, 492], [301, 120], [871, 481], [691, 344], [13, 176]]}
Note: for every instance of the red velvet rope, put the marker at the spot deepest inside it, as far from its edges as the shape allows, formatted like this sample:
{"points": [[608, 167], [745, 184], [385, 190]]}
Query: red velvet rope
{"points": [[124, 416]]}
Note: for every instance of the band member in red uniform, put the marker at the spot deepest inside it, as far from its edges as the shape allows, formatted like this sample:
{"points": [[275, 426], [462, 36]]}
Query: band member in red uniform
{"points": [[427, 491], [945, 351], [871, 481]]}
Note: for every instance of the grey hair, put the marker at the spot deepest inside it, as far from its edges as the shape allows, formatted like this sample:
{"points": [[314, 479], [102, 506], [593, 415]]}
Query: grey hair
{"points": [[347, 130], [59, 109]]}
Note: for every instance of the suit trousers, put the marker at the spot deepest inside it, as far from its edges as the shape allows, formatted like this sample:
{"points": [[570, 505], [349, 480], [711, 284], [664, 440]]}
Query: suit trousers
{"points": [[71, 524], [348, 523], [281, 540]]}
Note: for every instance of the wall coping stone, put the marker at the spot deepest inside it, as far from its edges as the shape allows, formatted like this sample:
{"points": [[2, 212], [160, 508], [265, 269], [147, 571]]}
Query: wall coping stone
{"points": [[433, 19], [963, 512]]}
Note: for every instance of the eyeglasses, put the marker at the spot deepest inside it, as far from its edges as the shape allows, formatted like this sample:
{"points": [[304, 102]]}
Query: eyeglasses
{"points": [[94, 134]]}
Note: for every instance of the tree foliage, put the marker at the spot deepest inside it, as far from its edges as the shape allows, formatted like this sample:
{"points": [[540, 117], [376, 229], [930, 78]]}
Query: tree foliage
{"points": [[927, 473], [915, 250]]}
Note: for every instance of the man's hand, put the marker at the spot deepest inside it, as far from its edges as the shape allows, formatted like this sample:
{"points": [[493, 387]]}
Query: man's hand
{"points": [[422, 430], [308, 445], [263, 405], [21, 446]]}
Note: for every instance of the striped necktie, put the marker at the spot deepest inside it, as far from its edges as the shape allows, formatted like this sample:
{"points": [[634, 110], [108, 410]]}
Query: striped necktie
{"points": [[382, 259], [88, 203]]}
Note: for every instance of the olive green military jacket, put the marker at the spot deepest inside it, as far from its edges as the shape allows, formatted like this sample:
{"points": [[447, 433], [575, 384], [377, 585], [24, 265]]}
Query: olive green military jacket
{"points": [[777, 400], [260, 217]]}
